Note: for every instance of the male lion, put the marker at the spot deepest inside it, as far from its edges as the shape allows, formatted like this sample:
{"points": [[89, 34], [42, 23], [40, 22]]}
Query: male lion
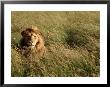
{"points": [[32, 38]]}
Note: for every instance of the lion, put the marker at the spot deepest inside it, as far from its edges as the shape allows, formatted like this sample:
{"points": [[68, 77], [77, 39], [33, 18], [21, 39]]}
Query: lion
{"points": [[32, 39]]}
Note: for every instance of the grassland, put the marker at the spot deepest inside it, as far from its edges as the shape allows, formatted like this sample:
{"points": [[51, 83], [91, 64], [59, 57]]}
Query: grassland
{"points": [[71, 38]]}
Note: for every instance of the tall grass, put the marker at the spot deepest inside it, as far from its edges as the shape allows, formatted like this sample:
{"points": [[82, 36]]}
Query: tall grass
{"points": [[72, 42]]}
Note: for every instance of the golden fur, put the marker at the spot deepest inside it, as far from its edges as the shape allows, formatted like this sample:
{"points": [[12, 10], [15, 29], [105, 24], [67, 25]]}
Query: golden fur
{"points": [[32, 38]]}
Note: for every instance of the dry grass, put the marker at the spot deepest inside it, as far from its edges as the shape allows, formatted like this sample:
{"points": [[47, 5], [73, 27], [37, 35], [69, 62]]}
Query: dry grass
{"points": [[72, 41]]}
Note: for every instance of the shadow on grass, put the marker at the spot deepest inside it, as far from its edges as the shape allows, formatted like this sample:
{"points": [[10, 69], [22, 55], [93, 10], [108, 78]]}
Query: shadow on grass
{"points": [[76, 38]]}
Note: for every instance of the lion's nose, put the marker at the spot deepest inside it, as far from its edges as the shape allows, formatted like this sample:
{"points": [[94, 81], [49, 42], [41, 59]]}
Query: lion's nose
{"points": [[30, 42]]}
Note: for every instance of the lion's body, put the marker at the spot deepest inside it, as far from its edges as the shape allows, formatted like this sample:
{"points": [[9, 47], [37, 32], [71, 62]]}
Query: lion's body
{"points": [[33, 39]]}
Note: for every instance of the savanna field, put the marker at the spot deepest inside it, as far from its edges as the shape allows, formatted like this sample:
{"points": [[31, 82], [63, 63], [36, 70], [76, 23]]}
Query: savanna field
{"points": [[72, 40]]}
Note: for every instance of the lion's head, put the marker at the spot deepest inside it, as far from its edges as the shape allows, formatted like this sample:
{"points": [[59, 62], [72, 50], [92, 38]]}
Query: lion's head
{"points": [[30, 37], [33, 39]]}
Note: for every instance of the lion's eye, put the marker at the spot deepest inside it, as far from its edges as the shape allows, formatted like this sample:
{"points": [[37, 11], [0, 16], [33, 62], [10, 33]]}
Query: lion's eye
{"points": [[27, 35], [35, 36]]}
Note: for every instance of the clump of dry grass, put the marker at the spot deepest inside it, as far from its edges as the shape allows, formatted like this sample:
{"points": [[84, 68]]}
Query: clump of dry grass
{"points": [[71, 39]]}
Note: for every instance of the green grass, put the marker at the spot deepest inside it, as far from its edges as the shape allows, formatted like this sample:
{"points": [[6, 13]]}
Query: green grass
{"points": [[72, 42]]}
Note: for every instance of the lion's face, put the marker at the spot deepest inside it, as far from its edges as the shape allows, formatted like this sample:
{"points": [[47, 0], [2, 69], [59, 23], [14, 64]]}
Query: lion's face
{"points": [[30, 37]]}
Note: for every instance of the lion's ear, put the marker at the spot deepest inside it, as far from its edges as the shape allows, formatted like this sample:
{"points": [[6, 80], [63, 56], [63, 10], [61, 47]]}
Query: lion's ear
{"points": [[38, 32], [22, 33], [34, 27]]}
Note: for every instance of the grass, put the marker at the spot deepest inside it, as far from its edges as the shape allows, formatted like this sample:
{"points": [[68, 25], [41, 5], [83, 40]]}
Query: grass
{"points": [[71, 38]]}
